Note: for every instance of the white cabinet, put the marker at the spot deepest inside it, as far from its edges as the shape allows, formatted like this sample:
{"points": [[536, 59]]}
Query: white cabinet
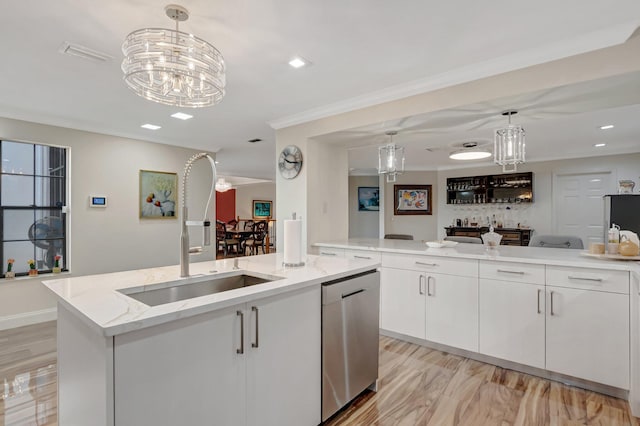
{"points": [[230, 367], [512, 321], [452, 310], [588, 335], [402, 302], [441, 307]]}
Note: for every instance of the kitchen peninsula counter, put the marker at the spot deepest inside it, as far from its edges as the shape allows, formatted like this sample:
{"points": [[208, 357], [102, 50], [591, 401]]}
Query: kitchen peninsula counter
{"points": [[554, 313]]}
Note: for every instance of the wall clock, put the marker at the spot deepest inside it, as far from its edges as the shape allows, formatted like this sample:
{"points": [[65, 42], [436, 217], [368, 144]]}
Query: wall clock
{"points": [[290, 162]]}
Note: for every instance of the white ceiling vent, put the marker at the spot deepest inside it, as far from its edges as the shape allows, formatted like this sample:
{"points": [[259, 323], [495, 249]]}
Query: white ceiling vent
{"points": [[83, 52]]}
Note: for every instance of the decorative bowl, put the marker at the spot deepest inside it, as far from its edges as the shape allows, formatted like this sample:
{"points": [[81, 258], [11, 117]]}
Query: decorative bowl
{"points": [[435, 244]]}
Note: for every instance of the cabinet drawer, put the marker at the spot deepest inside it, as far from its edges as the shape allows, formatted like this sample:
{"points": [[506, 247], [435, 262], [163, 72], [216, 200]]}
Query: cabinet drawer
{"points": [[512, 271], [589, 279], [362, 254], [330, 251], [442, 265]]}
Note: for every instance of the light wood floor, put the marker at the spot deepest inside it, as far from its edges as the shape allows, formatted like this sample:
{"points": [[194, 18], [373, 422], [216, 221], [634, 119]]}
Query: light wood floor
{"points": [[421, 386], [417, 386]]}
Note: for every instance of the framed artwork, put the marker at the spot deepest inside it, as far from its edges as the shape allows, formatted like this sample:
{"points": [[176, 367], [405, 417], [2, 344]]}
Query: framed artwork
{"points": [[368, 198], [412, 200], [262, 208], [158, 195]]}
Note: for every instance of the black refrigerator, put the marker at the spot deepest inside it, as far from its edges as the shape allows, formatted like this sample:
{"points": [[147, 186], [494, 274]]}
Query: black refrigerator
{"points": [[623, 210]]}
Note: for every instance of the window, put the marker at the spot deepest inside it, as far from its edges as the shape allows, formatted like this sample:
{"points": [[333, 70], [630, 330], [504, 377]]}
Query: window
{"points": [[32, 196]]}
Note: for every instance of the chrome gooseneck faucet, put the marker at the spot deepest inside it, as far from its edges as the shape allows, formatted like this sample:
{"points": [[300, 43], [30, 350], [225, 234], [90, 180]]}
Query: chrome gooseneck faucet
{"points": [[185, 250]]}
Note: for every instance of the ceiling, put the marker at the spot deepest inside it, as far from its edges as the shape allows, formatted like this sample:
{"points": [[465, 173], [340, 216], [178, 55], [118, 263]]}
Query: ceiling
{"points": [[562, 122], [362, 52]]}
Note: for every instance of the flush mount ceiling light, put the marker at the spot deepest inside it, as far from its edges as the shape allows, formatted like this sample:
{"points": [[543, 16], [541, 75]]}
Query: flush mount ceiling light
{"points": [[172, 67], [391, 159], [222, 185], [470, 151], [509, 146]]}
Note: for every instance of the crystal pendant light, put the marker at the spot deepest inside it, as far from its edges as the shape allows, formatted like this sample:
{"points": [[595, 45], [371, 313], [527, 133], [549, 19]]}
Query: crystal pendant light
{"points": [[391, 159], [222, 185], [509, 145], [172, 67]]}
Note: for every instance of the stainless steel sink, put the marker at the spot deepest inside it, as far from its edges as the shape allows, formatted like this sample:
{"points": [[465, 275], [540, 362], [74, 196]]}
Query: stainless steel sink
{"points": [[190, 290]]}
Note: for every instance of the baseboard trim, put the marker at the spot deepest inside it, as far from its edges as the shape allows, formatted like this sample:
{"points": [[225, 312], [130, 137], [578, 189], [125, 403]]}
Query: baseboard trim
{"points": [[28, 318]]}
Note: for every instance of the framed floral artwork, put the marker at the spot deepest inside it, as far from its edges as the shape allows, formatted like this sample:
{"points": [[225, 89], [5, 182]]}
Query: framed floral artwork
{"points": [[158, 195], [412, 200]]}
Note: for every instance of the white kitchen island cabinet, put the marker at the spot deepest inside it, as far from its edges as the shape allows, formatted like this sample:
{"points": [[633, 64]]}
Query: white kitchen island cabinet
{"points": [[248, 356], [204, 373], [402, 302]]}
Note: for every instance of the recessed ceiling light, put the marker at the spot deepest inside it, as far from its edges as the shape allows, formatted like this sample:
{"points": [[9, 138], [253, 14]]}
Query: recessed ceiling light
{"points": [[607, 127], [600, 145], [298, 62], [182, 116], [150, 126], [217, 162], [254, 140]]}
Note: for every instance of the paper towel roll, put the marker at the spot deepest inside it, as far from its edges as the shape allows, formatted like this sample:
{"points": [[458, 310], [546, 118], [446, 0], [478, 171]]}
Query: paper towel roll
{"points": [[292, 242]]}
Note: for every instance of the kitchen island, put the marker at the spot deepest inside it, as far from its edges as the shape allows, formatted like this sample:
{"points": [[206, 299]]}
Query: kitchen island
{"points": [[246, 356], [554, 313]]}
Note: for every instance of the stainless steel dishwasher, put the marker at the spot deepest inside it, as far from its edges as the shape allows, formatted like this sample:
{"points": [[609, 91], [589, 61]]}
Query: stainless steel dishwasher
{"points": [[350, 318]]}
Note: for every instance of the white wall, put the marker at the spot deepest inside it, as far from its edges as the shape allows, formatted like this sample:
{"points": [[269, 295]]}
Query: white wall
{"points": [[362, 224], [422, 227], [115, 238], [245, 194], [539, 214]]}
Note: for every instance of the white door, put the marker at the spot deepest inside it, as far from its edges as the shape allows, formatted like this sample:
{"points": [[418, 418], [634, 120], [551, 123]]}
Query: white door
{"points": [[402, 304], [186, 372], [578, 205], [588, 335], [284, 360], [452, 311], [512, 321]]}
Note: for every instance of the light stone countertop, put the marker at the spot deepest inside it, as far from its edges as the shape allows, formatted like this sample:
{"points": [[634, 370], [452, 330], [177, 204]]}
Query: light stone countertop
{"points": [[536, 255], [96, 301]]}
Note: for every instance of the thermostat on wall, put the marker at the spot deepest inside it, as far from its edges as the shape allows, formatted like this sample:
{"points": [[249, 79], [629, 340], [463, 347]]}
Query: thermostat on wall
{"points": [[97, 201]]}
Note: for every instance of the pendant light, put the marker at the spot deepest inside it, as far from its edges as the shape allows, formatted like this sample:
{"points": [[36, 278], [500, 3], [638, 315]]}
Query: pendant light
{"points": [[391, 159], [172, 67], [509, 145]]}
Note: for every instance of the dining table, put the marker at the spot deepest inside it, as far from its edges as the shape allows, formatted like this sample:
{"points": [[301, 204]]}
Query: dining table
{"points": [[240, 235]]}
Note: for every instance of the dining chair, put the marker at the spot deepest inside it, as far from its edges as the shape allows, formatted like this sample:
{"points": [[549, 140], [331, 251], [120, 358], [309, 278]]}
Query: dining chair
{"points": [[257, 239], [556, 241], [471, 240], [398, 237], [223, 241]]}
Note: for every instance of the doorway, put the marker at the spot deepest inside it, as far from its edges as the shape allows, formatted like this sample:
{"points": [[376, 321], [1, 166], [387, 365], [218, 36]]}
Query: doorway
{"points": [[578, 205]]}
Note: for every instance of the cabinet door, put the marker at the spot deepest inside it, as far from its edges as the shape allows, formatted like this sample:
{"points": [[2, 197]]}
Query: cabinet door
{"points": [[452, 311], [588, 335], [284, 360], [512, 322], [402, 304], [185, 372]]}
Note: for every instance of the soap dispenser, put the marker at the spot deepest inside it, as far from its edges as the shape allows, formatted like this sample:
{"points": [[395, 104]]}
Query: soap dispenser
{"points": [[613, 239]]}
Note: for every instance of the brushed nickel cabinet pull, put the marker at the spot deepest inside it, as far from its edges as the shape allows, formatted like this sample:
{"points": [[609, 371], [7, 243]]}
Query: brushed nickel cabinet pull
{"points": [[511, 272], [326, 253], [420, 284], [429, 285], [599, 280], [362, 257], [426, 264], [552, 313], [255, 345], [539, 291], [241, 315]]}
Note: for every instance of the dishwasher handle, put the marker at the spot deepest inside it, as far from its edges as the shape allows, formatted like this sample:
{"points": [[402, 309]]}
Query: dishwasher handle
{"points": [[353, 293]]}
